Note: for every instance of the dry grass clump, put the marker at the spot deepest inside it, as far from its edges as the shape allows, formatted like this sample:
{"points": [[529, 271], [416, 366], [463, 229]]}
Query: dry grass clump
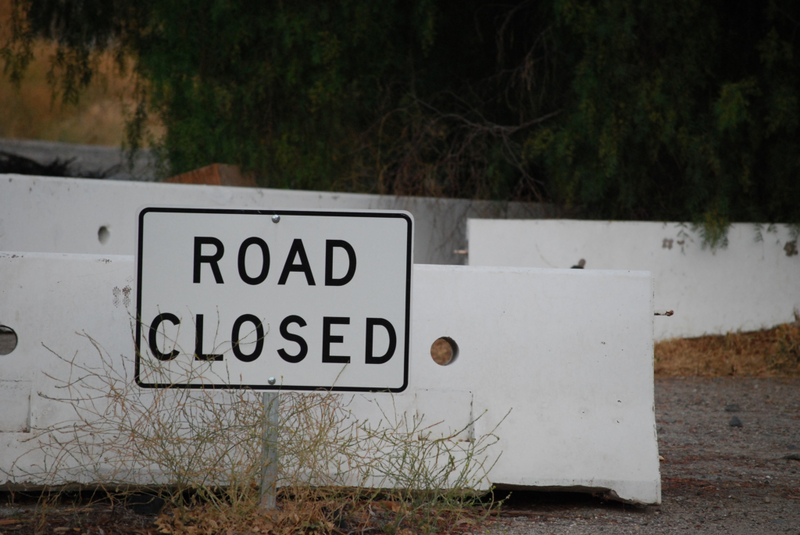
{"points": [[338, 513], [767, 353], [200, 453]]}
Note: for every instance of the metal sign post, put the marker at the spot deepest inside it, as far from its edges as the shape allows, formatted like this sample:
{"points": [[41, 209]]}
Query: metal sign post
{"points": [[269, 450]]}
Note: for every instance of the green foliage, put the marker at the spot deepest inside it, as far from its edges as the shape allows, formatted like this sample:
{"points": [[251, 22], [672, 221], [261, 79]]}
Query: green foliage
{"points": [[681, 110], [685, 110], [351, 95]]}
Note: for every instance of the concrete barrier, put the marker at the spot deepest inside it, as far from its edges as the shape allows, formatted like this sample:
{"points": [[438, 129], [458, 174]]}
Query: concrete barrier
{"points": [[568, 354], [70, 215], [751, 284]]}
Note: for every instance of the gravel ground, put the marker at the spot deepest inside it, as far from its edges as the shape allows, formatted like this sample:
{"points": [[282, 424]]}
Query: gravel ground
{"points": [[715, 477]]}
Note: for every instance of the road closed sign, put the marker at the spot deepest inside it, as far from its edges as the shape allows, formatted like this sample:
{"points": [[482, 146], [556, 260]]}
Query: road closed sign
{"points": [[262, 299]]}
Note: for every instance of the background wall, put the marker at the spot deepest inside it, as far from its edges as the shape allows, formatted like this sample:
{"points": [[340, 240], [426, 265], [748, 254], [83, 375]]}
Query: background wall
{"points": [[40, 214], [752, 284]]}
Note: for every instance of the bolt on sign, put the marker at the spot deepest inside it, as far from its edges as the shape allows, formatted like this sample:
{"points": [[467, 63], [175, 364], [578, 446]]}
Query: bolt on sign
{"points": [[264, 299]]}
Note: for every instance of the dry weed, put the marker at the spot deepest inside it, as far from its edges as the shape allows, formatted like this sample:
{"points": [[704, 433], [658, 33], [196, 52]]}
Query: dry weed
{"points": [[767, 353], [200, 451]]}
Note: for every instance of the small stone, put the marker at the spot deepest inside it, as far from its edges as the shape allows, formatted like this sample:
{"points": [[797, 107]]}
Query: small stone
{"points": [[767, 500], [733, 407], [792, 447], [735, 422], [792, 457]]}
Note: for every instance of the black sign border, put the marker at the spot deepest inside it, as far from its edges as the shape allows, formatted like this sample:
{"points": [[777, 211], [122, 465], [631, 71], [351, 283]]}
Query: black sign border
{"points": [[269, 213]]}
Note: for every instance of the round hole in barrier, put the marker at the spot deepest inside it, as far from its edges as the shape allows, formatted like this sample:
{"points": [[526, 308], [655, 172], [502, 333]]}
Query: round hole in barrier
{"points": [[103, 234], [444, 351], [8, 340]]}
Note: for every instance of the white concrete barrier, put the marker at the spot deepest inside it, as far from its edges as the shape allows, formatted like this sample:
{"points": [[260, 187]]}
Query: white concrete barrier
{"points": [[752, 284], [569, 354], [71, 215]]}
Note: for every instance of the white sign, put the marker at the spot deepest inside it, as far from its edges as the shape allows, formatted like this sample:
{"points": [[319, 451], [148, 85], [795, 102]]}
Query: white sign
{"points": [[264, 299]]}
